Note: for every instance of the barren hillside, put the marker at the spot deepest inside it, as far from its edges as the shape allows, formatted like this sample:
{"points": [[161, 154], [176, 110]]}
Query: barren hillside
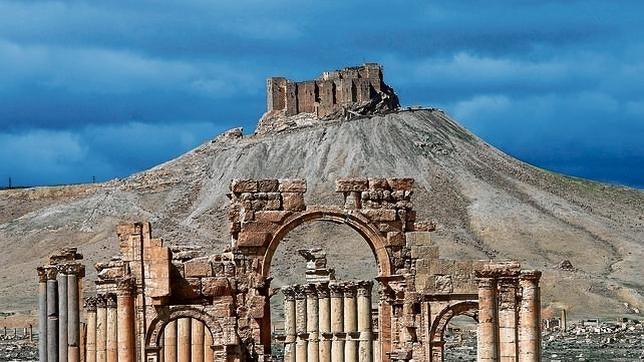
{"points": [[485, 204]]}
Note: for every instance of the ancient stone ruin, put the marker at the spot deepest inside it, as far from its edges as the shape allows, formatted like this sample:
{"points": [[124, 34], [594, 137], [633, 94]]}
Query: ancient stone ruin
{"points": [[339, 94], [156, 303]]}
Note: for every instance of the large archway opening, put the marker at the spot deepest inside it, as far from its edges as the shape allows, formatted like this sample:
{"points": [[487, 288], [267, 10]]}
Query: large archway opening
{"points": [[184, 340], [453, 333], [347, 253]]}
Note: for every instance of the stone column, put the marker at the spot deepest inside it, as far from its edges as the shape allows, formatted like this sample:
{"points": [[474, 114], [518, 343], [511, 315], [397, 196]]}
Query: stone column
{"points": [[125, 316], [350, 323], [530, 317], [337, 322], [42, 314], [170, 342], [207, 346], [52, 315], [324, 323], [365, 327], [183, 339], [62, 315], [301, 344], [111, 345], [289, 323], [101, 329], [73, 313], [312, 323], [488, 338], [508, 319], [563, 324], [197, 341], [90, 343]]}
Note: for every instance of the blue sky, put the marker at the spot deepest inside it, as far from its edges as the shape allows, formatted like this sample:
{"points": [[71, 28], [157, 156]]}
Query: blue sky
{"points": [[107, 88]]}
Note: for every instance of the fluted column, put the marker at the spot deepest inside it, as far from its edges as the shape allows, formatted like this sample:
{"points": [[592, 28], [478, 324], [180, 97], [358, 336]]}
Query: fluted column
{"points": [[90, 342], [365, 326], [208, 353], [197, 341], [42, 314], [289, 323], [324, 323], [312, 323], [350, 323], [170, 342], [111, 337], [529, 317], [508, 319], [337, 322], [301, 344], [183, 339], [125, 316], [52, 314], [101, 329], [488, 338], [62, 315], [74, 272]]}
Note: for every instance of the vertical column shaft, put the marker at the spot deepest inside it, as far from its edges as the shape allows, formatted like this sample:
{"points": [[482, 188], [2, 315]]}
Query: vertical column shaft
{"points": [[508, 319], [207, 347], [42, 315], [289, 324], [312, 323], [52, 315], [73, 316], [90, 343], [62, 316], [337, 322], [111, 345], [170, 342], [125, 318], [564, 323], [301, 344], [350, 323], [365, 326], [101, 329], [183, 339], [530, 317], [488, 338], [324, 323], [197, 338]]}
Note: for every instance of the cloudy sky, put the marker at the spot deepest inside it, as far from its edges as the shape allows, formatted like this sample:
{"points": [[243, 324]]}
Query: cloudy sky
{"points": [[107, 88]]}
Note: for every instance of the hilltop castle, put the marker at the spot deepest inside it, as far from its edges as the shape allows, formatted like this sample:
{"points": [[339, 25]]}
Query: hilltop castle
{"points": [[343, 93]]}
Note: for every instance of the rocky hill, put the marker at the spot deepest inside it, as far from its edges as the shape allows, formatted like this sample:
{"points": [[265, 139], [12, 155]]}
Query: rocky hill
{"points": [[485, 205]]}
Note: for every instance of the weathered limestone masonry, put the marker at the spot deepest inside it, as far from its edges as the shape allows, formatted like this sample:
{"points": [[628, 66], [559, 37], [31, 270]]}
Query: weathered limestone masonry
{"points": [[59, 293], [339, 94], [156, 303]]}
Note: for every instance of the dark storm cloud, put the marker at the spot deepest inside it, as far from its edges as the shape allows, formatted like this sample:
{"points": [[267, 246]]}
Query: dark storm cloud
{"points": [[539, 79]]}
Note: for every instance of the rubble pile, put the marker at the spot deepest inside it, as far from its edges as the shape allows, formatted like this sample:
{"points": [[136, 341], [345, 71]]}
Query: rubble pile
{"points": [[18, 349]]}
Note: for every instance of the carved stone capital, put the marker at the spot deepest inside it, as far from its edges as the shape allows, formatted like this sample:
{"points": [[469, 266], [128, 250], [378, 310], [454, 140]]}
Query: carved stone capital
{"points": [[289, 292], [125, 287], [364, 288], [349, 290], [90, 304], [110, 300], [300, 292], [337, 290], [310, 290], [323, 291], [74, 268], [530, 275], [42, 274], [100, 301], [486, 282], [51, 272]]}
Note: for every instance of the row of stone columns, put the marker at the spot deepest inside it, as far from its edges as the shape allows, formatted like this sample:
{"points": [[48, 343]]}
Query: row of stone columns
{"points": [[110, 326], [59, 312], [185, 340], [509, 318], [328, 322]]}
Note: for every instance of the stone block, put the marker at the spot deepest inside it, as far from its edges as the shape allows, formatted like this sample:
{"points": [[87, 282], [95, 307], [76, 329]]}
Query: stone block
{"points": [[268, 185], [252, 239], [380, 214], [271, 216], [416, 238], [199, 267], [215, 287], [292, 185], [395, 238], [401, 184], [378, 184], [293, 201], [239, 186], [424, 252], [256, 306], [351, 184]]}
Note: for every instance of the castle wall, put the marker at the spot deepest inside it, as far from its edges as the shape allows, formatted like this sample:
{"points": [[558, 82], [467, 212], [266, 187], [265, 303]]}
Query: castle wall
{"points": [[306, 96]]}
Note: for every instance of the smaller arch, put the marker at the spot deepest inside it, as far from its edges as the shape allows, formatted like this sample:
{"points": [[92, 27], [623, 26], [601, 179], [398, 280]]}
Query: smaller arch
{"points": [[171, 313], [468, 308], [352, 218]]}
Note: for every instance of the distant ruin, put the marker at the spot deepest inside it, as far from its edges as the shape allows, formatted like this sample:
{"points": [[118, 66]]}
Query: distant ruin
{"points": [[339, 94], [156, 303]]}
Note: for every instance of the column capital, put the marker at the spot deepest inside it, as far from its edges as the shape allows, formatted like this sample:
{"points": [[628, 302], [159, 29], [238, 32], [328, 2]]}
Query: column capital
{"points": [[337, 290], [100, 301], [125, 287], [51, 272], [90, 304], [310, 290], [364, 288], [323, 290], [42, 274], [289, 292], [300, 292], [75, 268], [486, 282], [110, 300], [530, 275], [349, 290]]}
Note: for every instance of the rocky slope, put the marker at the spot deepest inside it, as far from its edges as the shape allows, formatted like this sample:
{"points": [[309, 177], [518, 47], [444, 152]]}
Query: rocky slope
{"points": [[485, 204]]}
